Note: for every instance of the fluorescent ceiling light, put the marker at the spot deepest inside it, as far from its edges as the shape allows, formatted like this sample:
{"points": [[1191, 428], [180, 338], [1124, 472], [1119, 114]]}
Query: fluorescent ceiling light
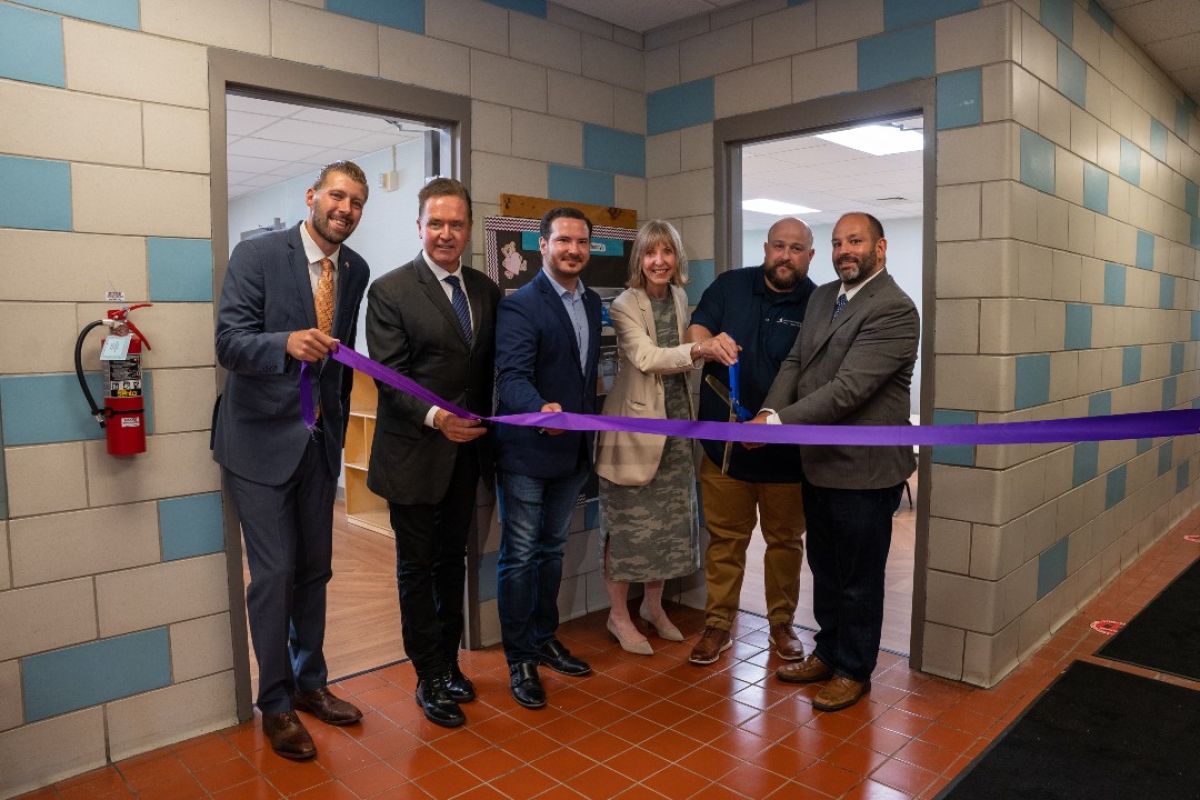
{"points": [[878, 140], [776, 207]]}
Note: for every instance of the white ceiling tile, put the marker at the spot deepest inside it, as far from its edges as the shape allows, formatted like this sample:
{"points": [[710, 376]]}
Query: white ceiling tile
{"points": [[242, 123], [279, 151], [253, 165], [297, 131], [273, 108]]}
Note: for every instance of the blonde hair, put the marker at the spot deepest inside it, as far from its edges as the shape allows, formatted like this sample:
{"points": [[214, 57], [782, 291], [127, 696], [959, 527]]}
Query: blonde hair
{"points": [[652, 234]]}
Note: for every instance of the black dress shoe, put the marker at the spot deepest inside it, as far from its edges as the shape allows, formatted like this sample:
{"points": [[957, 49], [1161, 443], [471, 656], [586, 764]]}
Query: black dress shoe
{"points": [[526, 685], [288, 736], [459, 686], [323, 705], [434, 699], [558, 658]]}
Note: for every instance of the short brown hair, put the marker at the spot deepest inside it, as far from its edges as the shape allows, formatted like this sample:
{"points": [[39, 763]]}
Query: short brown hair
{"points": [[652, 234], [444, 187], [349, 169], [567, 212]]}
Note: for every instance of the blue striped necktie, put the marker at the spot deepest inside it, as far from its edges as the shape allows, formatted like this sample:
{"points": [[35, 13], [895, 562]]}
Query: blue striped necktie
{"points": [[837, 309], [458, 299]]}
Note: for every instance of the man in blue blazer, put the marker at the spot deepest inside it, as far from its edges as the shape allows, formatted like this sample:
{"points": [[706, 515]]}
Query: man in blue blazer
{"points": [[290, 296], [547, 350]]}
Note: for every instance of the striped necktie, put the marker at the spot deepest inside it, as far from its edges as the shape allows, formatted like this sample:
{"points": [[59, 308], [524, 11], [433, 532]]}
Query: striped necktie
{"points": [[458, 299]]}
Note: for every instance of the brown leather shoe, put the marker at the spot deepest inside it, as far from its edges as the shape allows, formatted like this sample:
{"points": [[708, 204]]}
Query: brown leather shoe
{"points": [[713, 642], [787, 645], [324, 706], [288, 736], [841, 692], [807, 671]]}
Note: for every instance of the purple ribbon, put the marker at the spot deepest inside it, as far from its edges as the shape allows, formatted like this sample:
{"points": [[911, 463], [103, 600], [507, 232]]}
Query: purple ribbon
{"points": [[1143, 425]]}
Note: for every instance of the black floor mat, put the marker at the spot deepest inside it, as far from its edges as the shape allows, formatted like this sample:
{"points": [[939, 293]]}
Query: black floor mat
{"points": [[1165, 635]]}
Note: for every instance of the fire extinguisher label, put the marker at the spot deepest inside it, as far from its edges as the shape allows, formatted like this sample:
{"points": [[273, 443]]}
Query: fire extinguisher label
{"points": [[131, 422], [115, 347], [125, 377]]}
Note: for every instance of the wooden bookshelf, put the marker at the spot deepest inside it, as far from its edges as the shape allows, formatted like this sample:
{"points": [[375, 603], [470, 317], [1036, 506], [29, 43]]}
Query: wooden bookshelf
{"points": [[364, 508]]}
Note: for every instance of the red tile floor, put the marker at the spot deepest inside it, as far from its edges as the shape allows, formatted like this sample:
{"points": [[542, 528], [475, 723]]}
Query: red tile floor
{"points": [[643, 727]]}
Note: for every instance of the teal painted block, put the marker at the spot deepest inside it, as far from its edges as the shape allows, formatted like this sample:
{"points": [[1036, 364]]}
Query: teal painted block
{"points": [[904, 13], [1195, 232], [959, 455], [1183, 120], [1191, 192], [1085, 461], [31, 48], [534, 8], [1130, 165], [1095, 188], [960, 99], [1114, 284], [1097, 12], [191, 526], [34, 193], [1037, 161], [1158, 139], [611, 150], [1182, 479], [701, 273], [571, 184], [1196, 326], [1072, 75], [1131, 365], [93, 673], [1114, 487], [895, 56], [1033, 380], [678, 107], [1166, 291], [1078, 335], [180, 269], [1058, 17], [1176, 358], [42, 409], [1166, 458], [1170, 393], [1144, 445], [1052, 567], [121, 13], [407, 15], [1145, 250], [488, 566], [1100, 404]]}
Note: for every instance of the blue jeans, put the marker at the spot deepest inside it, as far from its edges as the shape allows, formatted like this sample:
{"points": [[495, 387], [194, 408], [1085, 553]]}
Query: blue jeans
{"points": [[535, 516]]}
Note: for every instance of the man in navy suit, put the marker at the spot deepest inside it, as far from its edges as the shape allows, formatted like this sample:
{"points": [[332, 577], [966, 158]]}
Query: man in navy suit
{"points": [[290, 296], [547, 349]]}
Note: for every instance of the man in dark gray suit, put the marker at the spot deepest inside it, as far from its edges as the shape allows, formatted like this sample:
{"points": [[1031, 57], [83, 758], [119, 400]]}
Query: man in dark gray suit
{"points": [[290, 296], [852, 364], [433, 320]]}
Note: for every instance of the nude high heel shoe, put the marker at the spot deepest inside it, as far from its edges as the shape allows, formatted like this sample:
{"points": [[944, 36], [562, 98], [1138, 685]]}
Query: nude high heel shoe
{"points": [[667, 631], [641, 648]]}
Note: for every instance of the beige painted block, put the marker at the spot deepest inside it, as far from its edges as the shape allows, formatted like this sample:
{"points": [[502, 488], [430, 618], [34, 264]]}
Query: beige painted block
{"points": [[1086, 36], [627, 37], [314, 36], [173, 591], [977, 383], [28, 491], [5, 575], [12, 711], [997, 550], [985, 268], [1035, 271], [949, 545], [988, 659], [545, 138], [476, 24], [1081, 230], [1009, 210], [113, 261], [232, 24], [55, 547], [405, 57], [201, 647], [152, 203], [629, 110], [942, 653], [491, 128], [687, 194], [754, 88], [1052, 221], [825, 72], [46, 617], [584, 99], [844, 20], [698, 236], [513, 83], [1068, 176], [662, 67], [962, 602], [997, 90], [150, 720], [1067, 281], [630, 192], [149, 67], [1108, 151], [1054, 116], [492, 175], [183, 399], [958, 212], [696, 147], [579, 21], [176, 138], [958, 158], [54, 323], [957, 326], [173, 465], [1084, 130], [55, 123], [39, 754], [1098, 97], [972, 39], [785, 33], [716, 52], [613, 63], [182, 334], [1039, 50]]}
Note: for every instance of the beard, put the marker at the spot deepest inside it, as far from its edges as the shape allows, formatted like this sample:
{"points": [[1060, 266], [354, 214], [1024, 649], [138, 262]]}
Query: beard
{"points": [[782, 276], [328, 232], [853, 270]]}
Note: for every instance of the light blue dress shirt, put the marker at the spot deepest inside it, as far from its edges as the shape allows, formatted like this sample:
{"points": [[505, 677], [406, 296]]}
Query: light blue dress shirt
{"points": [[573, 303]]}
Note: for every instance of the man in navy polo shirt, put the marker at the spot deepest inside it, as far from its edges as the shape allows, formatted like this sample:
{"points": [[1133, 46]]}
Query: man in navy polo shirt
{"points": [[761, 308]]}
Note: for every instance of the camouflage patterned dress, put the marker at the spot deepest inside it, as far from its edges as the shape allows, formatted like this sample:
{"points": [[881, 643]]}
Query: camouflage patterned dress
{"points": [[651, 532]]}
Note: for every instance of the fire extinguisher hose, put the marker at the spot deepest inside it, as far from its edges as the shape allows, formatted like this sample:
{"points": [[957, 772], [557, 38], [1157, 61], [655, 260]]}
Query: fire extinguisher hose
{"points": [[87, 393]]}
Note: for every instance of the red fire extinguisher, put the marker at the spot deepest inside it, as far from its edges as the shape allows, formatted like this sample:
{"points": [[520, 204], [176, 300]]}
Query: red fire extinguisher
{"points": [[123, 417]]}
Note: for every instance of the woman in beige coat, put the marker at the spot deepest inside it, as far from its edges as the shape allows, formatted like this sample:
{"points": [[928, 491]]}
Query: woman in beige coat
{"points": [[648, 511]]}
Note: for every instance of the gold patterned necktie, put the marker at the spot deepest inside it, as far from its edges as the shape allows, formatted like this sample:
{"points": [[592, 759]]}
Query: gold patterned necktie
{"points": [[324, 298]]}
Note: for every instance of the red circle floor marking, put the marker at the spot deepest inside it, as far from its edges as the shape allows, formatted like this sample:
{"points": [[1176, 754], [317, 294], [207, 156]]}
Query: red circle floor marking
{"points": [[1192, 537], [1107, 626]]}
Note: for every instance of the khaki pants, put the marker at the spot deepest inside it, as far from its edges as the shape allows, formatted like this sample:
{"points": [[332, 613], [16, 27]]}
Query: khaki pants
{"points": [[731, 509]]}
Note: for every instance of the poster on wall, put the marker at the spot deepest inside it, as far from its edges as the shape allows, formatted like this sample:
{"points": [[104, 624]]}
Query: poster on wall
{"points": [[513, 259]]}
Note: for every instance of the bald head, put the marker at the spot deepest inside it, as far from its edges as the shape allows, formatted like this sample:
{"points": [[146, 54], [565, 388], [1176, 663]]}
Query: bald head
{"points": [[787, 253]]}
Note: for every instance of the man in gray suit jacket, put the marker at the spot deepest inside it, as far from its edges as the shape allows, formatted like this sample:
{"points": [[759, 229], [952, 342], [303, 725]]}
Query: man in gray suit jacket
{"points": [[290, 296], [433, 320], [852, 364]]}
